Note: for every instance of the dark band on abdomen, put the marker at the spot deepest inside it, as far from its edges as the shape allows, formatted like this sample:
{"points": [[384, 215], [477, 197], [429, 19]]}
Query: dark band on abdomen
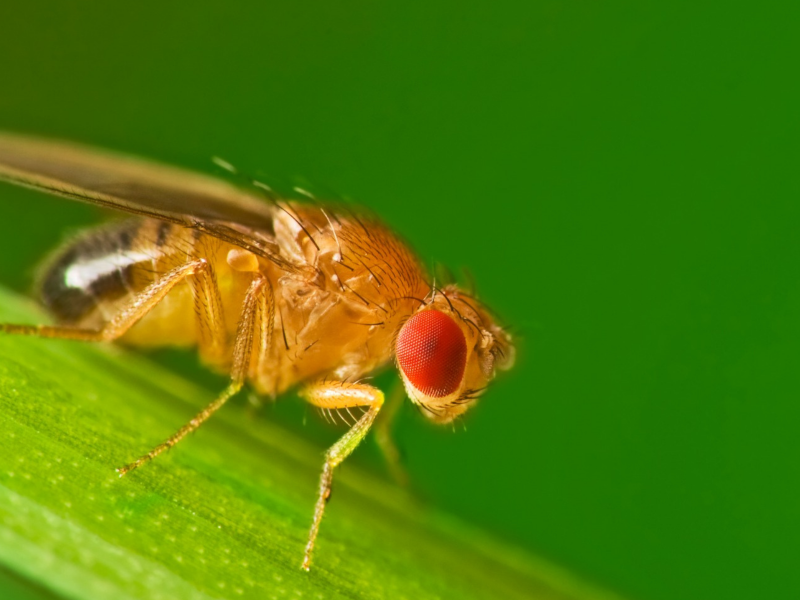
{"points": [[94, 268]]}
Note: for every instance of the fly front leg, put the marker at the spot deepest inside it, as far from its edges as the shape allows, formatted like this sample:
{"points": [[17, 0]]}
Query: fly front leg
{"points": [[254, 330], [339, 395]]}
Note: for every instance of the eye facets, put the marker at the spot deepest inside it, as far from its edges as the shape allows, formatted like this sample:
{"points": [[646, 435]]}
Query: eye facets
{"points": [[432, 353]]}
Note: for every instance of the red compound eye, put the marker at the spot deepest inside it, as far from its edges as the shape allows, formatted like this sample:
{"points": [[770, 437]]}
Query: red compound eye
{"points": [[432, 352]]}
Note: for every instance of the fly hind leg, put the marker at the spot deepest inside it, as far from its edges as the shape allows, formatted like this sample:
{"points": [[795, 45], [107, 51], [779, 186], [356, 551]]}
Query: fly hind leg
{"points": [[211, 329], [339, 395], [257, 314], [131, 314]]}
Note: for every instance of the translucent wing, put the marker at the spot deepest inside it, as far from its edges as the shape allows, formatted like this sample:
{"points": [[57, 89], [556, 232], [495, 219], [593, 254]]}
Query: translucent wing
{"points": [[141, 187]]}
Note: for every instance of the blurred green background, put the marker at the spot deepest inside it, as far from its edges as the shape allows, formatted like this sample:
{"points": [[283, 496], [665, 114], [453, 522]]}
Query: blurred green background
{"points": [[621, 179]]}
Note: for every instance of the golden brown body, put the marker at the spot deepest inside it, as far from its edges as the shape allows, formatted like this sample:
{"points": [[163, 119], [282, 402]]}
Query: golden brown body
{"points": [[275, 293], [337, 324]]}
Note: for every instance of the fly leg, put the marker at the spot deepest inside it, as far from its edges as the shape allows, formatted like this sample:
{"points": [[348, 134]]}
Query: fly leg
{"points": [[198, 270], [338, 395], [256, 319], [212, 339], [383, 436], [257, 315]]}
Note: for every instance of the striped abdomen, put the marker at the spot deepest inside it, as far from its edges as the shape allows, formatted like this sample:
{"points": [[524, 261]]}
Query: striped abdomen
{"points": [[93, 277], [93, 270]]}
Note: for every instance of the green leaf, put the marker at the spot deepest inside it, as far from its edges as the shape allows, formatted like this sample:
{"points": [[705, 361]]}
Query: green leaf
{"points": [[225, 515]]}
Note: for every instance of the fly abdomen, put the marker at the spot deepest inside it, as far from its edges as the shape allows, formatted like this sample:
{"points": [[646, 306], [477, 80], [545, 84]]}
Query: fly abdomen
{"points": [[93, 269]]}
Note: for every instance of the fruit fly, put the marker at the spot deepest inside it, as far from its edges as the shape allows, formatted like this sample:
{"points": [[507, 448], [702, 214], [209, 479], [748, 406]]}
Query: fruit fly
{"points": [[276, 293]]}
